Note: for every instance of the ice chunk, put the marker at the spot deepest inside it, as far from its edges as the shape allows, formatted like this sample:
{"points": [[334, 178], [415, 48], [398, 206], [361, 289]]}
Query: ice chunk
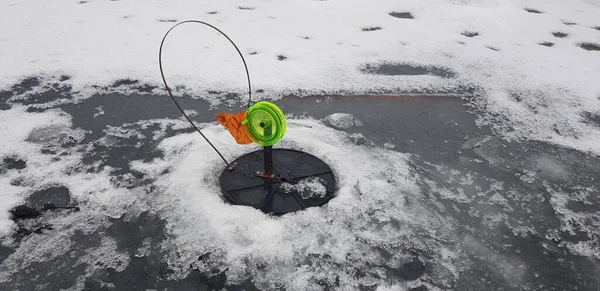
{"points": [[313, 187], [341, 120]]}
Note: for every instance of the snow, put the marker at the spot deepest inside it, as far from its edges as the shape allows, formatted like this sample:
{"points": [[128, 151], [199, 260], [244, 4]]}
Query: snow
{"points": [[17, 125], [538, 92], [573, 221], [93, 192]]}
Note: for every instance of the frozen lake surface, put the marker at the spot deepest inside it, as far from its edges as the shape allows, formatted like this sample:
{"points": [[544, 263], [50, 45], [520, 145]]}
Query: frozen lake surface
{"points": [[464, 136]]}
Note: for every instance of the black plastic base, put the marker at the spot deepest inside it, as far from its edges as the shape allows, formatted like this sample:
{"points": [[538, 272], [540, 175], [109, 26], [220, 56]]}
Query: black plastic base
{"points": [[288, 191]]}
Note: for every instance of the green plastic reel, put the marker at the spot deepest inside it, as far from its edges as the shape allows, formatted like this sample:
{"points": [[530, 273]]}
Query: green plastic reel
{"points": [[264, 123]]}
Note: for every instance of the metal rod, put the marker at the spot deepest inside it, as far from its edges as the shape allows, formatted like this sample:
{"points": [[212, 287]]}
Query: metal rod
{"points": [[268, 153]]}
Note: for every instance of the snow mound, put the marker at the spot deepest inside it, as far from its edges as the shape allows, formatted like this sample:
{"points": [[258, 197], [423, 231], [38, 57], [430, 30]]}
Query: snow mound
{"points": [[377, 208]]}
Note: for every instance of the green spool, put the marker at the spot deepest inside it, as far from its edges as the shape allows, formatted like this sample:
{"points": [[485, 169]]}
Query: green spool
{"points": [[264, 123]]}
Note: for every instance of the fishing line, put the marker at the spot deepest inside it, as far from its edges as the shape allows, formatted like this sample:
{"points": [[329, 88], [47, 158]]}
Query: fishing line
{"points": [[171, 93]]}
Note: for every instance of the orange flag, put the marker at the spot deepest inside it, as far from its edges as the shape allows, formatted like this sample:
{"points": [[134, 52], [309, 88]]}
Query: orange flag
{"points": [[233, 123]]}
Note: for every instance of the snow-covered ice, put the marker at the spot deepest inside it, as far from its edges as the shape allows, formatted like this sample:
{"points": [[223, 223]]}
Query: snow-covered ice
{"points": [[539, 92]]}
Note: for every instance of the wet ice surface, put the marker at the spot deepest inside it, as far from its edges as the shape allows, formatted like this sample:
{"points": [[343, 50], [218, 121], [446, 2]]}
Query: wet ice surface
{"points": [[428, 200]]}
